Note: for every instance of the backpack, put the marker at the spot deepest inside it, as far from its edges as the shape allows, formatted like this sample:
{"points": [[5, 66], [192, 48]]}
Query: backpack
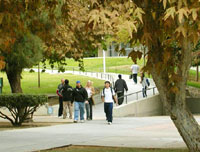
{"points": [[111, 92], [148, 83]]}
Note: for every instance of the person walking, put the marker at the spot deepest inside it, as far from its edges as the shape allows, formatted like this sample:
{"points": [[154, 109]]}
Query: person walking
{"points": [[119, 87], [144, 85], [134, 69], [88, 105], [59, 93], [108, 97], [67, 92], [80, 97]]}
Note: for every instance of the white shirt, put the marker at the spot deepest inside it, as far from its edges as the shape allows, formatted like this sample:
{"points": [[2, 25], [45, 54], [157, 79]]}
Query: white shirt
{"points": [[108, 96], [89, 91], [135, 68]]}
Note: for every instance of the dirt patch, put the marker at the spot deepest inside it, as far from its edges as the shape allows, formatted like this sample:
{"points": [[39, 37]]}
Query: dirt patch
{"points": [[109, 149], [38, 121]]}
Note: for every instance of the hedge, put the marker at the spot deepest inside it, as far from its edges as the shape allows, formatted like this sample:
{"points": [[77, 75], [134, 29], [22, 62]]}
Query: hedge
{"points": [[21, 106]]}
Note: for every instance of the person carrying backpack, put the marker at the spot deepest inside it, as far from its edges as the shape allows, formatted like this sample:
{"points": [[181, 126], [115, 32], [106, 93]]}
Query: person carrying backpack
{"points": [[108, 97], [67, 92], [120, 86], [145, 83]]}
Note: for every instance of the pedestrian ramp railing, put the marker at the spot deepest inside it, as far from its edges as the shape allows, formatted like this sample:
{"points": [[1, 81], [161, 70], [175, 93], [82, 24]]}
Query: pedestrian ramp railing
{"points": [[151, 91], [98, 75]]}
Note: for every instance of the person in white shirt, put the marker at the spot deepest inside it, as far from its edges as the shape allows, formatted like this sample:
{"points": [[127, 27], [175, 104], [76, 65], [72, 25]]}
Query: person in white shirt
{"points": [[134, 69], [144, 85], [108, 97]]}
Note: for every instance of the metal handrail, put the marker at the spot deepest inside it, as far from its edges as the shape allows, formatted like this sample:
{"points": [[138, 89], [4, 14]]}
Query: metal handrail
{"points": [[137, 92]]}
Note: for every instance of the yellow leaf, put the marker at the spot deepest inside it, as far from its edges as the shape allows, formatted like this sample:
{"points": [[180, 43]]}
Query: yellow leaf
{"points": [[164, 3], [174, 89], [181, 13], [194, 13], [181, 30], [138, 13], [170, 12], [1, 17], [154, 15]]}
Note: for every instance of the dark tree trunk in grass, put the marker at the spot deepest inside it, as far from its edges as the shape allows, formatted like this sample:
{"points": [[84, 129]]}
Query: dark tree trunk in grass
{"points": [[197, 73], [14, 78]]}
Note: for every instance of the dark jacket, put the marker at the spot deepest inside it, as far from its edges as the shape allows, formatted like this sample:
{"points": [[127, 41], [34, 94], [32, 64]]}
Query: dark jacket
{"points": [[67, 92], [120, 85], [80, 94]]}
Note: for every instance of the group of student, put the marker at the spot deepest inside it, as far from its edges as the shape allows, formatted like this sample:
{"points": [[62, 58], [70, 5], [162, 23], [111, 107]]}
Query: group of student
{"points": [[81, 97]]}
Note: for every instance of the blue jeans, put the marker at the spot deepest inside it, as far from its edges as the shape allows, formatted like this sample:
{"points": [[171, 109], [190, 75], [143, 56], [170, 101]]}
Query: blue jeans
{"points": [[108, 109], [79, 108], [144, 92]]}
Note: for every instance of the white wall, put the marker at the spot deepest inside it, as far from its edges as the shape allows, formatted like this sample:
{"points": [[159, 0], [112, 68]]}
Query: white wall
{"points": [[151, 106]]}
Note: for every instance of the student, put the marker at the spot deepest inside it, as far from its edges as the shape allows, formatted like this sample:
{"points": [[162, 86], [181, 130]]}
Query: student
{"points": [[60, 86], [80, 97], [67, 92], [108, 97], [135, 70], [144, 85], [88, 105], [120, 86]]}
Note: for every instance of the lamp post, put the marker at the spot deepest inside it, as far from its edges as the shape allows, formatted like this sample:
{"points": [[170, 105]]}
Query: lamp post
{"points": [[104, 61], [39, 75]]}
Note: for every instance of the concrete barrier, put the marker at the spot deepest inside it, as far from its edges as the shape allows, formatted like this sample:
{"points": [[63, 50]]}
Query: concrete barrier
{"points": [[194, 105], [43, 110], [151, 106]]}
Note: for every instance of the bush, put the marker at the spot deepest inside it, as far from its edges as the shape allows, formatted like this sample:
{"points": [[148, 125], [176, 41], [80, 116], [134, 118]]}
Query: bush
{"points": [[21, 106]]}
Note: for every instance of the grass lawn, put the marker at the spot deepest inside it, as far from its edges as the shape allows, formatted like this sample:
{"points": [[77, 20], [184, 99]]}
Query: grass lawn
{"points": [[110, 149], [49, 82], [117, 65]]}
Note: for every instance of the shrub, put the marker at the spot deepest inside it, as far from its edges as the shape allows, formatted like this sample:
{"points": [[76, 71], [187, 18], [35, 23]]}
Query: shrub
{"points": [[21, 106]]}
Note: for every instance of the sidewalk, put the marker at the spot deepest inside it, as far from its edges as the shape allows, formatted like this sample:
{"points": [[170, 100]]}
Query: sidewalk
{"points": [[143, 132]]}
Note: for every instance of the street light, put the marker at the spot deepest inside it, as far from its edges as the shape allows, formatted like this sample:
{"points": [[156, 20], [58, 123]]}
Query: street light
{"points": [[104, 61]]}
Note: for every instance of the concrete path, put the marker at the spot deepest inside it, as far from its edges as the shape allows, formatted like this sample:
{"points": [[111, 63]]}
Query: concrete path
{"points": [[147, 132]]}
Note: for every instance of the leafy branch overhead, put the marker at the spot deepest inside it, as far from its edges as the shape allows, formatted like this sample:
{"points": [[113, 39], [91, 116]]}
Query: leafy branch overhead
{"points": [[166, 22]]}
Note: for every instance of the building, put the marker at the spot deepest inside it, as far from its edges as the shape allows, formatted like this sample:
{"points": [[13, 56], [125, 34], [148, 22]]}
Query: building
{"points": [[110, 52]]}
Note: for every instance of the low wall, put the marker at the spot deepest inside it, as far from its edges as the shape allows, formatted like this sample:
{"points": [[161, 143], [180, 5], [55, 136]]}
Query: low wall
{"points": [[151, 106], [43, 110], [194, 105]]}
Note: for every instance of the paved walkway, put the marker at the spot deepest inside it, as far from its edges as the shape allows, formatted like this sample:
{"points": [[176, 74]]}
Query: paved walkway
{"points": [[146, 132]]}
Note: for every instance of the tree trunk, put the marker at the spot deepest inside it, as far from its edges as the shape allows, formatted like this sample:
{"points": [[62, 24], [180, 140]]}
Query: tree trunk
{"points": [[186, 125], [175, 106], [14, 78], [197, 73]]}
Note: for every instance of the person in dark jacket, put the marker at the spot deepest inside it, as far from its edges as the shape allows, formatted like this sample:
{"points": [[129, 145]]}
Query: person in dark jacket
{"points": [[120, 86], [80, 96], [59, 93], [67, 92]]}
